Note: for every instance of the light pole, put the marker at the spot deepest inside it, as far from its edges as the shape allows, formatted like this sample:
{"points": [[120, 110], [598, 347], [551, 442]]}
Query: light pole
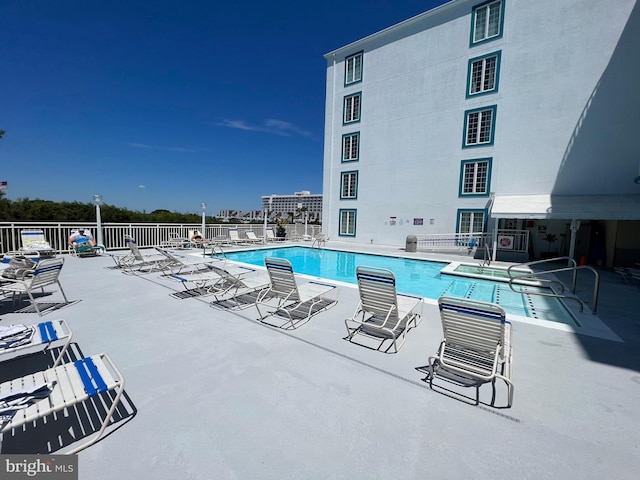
{"points": [[266, 214], [97, 199], [204, 207], [303, 212]]}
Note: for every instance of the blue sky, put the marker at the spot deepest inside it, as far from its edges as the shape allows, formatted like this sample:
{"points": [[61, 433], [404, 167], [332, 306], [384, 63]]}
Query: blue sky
{"points": [[163, 105]]}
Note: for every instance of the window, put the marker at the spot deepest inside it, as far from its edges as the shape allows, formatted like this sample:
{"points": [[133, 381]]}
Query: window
{"points": [[353, 69], [475, 177], [351, 147], [349, 185], [351, 108], [479, 126], [471, 221], [347, 227], [483, 74], [487, 21]]}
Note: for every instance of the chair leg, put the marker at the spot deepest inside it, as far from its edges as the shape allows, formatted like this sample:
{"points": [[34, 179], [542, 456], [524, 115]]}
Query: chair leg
{"points": [[66, 300], [34, 303]]}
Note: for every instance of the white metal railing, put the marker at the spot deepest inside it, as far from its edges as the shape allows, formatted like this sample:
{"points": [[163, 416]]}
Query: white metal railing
{"points": [[512, 240], [145, 234], [452, 241]]}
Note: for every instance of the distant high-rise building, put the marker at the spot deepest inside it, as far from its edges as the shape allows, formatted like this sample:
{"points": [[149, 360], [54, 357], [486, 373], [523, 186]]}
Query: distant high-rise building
{"points": [[283, 205]]}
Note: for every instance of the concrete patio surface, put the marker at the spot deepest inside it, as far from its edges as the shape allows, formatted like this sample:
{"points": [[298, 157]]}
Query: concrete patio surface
{"points": [[216, 394]]}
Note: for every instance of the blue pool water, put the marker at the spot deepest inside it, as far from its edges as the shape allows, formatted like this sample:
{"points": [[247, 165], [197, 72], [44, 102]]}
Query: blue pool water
{"points": [[419, 277]]}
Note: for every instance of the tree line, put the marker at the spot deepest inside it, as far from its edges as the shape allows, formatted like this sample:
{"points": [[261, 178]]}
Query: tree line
{"points": [[26, 210]]}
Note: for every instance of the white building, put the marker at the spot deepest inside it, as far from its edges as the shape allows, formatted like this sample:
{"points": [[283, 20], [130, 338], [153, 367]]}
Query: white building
{"points": [[518, 112], [283, 205]]}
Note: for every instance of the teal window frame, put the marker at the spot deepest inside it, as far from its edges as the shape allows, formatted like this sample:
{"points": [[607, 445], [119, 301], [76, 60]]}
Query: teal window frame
{"points": [[476, 173], [350, 175], [347, 233], [473, 211], [474, 17], [481, 118], [345, 109], [496, 74], [353, 57], [350, 148]]}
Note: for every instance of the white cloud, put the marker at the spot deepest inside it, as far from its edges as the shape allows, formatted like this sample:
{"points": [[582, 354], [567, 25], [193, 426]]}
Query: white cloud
{"points": [[285, 127], [271, 125]]}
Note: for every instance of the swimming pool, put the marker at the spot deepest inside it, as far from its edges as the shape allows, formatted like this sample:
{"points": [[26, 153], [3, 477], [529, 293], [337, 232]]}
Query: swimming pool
{"points": [[419, 277]]}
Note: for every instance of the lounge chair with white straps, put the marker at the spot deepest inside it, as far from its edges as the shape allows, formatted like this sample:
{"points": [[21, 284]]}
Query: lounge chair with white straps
{"points": [[383, 315], [286, 298], [476, 348]]}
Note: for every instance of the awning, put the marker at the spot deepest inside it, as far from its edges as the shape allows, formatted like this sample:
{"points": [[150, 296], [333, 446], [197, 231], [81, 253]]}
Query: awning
{"points": [[579, 207]]}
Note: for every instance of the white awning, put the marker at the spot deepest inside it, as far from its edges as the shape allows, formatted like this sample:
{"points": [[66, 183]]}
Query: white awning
{"points": [[579, 207]]}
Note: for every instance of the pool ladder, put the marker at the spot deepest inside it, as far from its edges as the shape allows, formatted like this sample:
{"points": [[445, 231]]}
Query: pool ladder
{"points": [[486, 256], [536, 276], [219, 253]]}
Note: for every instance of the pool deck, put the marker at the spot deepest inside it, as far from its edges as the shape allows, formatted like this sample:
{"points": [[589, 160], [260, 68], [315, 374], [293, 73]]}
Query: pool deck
{"points": [[218, 395]]}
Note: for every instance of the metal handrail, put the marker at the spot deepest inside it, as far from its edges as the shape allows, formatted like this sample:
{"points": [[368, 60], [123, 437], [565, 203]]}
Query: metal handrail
{"points": [[574, 267], [486, 255], [213, 251]]}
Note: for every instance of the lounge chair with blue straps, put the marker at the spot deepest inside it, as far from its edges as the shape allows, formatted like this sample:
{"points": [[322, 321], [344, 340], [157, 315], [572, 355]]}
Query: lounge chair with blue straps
{"points": [[38, 396], [45, 273], [476, 348], [35, 241], [20, 340]]}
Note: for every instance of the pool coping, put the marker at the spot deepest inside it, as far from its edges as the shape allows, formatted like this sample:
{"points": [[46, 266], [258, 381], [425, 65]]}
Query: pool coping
{"points": [[588, 324]]}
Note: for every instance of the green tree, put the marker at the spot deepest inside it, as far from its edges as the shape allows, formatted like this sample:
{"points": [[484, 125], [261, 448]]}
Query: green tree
{"points": [[25, 209]]}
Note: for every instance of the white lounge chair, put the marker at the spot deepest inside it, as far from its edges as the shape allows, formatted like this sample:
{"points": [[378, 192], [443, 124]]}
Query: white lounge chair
{"points": [[271, 236], [234, 237], [20, 340], [196, 238], [35, 241], [476, 348], [320, 240], [231, 288], [15, 264], [383, 314], [176, 242], [286, 298], [46, 273], [26, 401], [79, 245], [206, 281], [251, 237], [135, 262], [181, 264]]}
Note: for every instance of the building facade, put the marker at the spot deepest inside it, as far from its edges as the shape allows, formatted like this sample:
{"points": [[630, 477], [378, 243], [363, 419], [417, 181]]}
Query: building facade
{"points": [[287, 206], [477, 115]]}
